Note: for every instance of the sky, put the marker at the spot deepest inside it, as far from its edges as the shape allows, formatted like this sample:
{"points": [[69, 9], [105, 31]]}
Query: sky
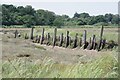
{"points": [[69, 7]]}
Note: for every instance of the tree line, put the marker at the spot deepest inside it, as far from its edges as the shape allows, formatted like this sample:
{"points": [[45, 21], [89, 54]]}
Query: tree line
{"points": [[28, 16]]}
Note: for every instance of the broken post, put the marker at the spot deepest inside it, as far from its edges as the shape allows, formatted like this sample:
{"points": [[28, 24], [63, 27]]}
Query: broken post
{"points": [[31, 36], [48, 38], [42, 36], [67, 39], [80, 44], [54, 36], [101, 34], [84, 37], [61, 40], [16, 33], [75, 41], [93, 42]]}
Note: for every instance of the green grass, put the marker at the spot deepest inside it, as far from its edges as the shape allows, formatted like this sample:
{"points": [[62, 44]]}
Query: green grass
{"points": [[103, 67]]}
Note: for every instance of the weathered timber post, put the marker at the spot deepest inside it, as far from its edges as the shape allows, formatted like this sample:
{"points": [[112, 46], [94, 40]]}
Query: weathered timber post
{"points": [[39, 39], [61, 40], [93, 42], [90, 41], [26, 36], [48, 38], [75, 41], [54, 36], [31, 36], [67, 39], [42, 36], [85, 43], [101, 34], [103, 43], [16, 33], [36, 38], [80, 43], [84, 36]]}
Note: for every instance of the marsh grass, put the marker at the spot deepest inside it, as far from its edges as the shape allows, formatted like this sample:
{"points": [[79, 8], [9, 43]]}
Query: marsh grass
{"points": [[103, 67]]}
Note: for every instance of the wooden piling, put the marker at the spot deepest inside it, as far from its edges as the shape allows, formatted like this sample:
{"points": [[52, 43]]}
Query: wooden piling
{"points": [[54, 36], [39, 39], [16, 33], [67, 39], [101, 34], [31, 36], [61, 40], [48, 38], [42, 36], [84, 36], [75, 41], [80, 43]]}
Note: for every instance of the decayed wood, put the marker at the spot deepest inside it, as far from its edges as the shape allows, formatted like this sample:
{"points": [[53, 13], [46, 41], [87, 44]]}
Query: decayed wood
{"points": [[39, 39], [26, 36], [67, 39], [54, 36], [31, 36], [84, 36], [93, 41], [103, 43], [101, 34], [48, 38], [61, 40], [36, 38], [75, 41], [16, 33], [80, 43], [42, 36]]}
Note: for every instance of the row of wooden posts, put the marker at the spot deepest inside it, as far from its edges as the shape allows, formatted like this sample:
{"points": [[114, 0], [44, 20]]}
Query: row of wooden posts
{"points": [[68, 41]]}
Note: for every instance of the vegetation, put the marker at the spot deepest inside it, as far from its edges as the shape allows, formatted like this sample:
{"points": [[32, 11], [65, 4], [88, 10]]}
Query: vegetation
{"points": [[28, 16], [103, 67]]}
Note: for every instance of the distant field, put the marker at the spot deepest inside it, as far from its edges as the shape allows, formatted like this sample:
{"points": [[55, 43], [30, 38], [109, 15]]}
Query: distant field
{"points": [[109, 33]]}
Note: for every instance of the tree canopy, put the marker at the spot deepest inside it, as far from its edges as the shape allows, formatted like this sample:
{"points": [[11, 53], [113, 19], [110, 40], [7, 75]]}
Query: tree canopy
{"points": [[28, 16]]}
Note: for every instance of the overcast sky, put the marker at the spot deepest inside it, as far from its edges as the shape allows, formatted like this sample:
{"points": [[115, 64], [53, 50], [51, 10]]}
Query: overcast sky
{"points": [[69, 8]]}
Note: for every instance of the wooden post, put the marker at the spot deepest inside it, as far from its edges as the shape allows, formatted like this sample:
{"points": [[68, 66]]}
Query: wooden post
{"points": [[75, 41], [80, 44], [90, 41], [95, 44], [16, 33], [32, 29], [54, 36], [103, 43], [84, 37], [36, 38], [67, 39], [101, 34], [26, 36], [93, 41], [61, 40], [85, 43], [48, 38], [42, 36], [39, 39]]}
